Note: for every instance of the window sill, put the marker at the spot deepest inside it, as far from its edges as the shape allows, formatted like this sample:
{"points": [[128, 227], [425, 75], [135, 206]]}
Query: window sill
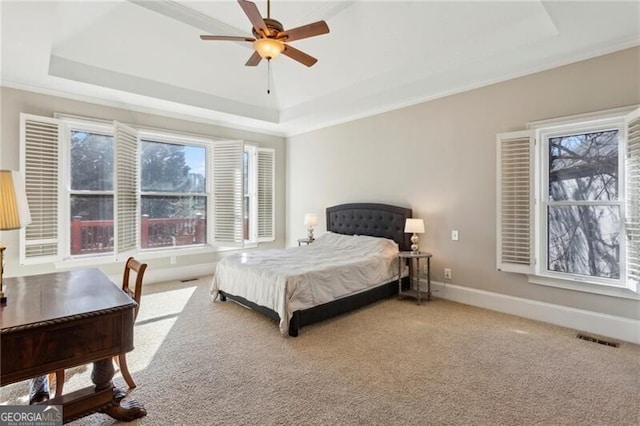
{"points": [[178, 251], [190, 250], [584, 286], [109, 258], [84, 262]]}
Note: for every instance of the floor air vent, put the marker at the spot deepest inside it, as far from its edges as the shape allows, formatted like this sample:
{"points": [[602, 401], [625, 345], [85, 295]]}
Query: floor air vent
{"points": [[599, 341]]}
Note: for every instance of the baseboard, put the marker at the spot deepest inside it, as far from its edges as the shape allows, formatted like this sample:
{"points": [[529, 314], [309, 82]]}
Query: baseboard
{"points": [[620, 328], [153, 276]]}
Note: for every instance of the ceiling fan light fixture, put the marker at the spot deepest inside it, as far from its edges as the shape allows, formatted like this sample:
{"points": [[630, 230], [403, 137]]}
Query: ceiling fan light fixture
{"points": [[268, 48]]}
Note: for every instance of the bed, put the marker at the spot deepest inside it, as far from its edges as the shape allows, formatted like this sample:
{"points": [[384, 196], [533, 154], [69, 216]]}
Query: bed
{"points": [[299, 286]]}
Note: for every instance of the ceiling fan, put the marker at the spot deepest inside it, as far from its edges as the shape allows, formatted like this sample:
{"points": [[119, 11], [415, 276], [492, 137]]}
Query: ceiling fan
{"points": [[270, 39]]}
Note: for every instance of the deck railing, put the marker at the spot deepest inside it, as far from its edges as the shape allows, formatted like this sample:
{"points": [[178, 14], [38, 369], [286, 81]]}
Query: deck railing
{"points": [[96, 236]]}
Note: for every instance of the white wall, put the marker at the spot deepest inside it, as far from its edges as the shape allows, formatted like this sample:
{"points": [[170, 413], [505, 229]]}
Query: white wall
{"points": [[13, 102], [439, 158]]}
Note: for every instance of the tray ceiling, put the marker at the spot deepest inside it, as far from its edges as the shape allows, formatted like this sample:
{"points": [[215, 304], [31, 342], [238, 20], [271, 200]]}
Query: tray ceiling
{"points": [[378, 56]]}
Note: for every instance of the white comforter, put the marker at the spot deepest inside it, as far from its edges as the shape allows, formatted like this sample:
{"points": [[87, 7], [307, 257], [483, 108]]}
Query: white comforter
{"points": [[287, 280]]}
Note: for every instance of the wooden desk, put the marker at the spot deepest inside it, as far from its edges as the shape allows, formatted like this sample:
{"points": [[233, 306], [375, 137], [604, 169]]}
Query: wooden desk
{"points": [[62, 320]]}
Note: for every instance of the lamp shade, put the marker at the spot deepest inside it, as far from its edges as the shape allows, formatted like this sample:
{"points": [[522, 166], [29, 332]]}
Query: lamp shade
{"points": [[310, 219], [14, 210], [268, 48], [414, 226]]}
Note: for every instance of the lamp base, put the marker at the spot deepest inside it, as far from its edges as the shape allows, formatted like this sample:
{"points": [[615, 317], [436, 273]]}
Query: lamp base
{"points": [[310, 234], [414, 246]]}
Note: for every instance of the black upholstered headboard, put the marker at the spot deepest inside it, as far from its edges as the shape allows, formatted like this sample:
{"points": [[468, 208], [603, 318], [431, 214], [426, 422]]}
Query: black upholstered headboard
{"points": [[376, 220]]}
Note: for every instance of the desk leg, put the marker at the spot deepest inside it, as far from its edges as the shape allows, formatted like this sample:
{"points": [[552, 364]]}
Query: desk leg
{"points": [[102, 376], [103, 397]]}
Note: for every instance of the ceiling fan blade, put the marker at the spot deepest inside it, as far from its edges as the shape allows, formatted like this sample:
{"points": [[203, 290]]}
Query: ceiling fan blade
{"points": [[254, 60], [298, 55], [305, 31], [231, 38], [251, 10], [188, 16]]}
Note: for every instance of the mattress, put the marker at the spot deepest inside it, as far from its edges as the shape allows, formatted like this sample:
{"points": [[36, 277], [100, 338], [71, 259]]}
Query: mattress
{"points": [[297, 278]]}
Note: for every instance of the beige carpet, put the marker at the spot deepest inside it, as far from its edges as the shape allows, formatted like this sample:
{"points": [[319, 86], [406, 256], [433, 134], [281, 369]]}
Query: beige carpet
{"points": [[392, 363]]}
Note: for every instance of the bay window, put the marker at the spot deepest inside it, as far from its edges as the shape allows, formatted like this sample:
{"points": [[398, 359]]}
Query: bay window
{"points": [[99, 188]]}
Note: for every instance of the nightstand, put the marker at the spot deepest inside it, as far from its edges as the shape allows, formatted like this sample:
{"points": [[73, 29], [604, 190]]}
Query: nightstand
{"points": [[414, 274], [306, 241]]}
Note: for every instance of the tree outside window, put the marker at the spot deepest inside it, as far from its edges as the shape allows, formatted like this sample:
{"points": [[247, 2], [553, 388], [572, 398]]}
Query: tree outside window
{"points": [[584, 217], [91, 193], [173, 194]]}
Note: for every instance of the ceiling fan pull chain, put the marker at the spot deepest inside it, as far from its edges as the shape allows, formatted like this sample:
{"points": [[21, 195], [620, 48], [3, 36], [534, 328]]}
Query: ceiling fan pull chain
{"points": [[268, 76]]}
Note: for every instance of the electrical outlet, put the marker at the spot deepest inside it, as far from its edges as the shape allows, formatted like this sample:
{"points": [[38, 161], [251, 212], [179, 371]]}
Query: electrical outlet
{"points": [[454, 235], [172, 260], [447, 273]]}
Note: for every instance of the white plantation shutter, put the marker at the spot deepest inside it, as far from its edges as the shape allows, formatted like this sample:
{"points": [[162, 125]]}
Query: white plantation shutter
{"points": [[126, 188], [228, 192], [266, 176], [632, 167], [40, 154], [515, 209]]}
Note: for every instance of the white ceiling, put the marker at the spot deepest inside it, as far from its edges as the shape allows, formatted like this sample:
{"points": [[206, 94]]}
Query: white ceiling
{"points": [[378, 56]]}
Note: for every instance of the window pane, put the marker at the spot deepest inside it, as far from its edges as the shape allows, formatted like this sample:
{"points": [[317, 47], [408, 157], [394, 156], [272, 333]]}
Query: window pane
{"points": [[245, 172], [247, 198], [245, 222], [584, 240], [584, 167], [173, 221], [91, 224], [91, 162], [169, 167]]}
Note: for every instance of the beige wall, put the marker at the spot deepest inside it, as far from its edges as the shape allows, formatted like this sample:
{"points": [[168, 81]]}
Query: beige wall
{"points": [[439, 158], [13, 102]]}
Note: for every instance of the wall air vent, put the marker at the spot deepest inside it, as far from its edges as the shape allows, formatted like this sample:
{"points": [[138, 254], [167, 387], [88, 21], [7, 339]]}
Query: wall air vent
{"points": [[597, 340]]}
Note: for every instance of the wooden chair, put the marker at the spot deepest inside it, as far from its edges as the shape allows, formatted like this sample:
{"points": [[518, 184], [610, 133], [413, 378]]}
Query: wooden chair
{"points": [[135, 293]]}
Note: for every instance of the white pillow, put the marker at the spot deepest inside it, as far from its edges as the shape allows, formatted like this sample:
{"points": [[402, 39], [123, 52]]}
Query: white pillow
{"points": [[357, 242]]}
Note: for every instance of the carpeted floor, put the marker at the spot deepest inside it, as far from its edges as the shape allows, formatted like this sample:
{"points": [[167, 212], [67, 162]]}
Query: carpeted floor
{"points": [[392, 363]]}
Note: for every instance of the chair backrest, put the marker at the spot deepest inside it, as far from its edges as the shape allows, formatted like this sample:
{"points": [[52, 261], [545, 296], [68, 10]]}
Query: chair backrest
{"points": [[136, 292]]}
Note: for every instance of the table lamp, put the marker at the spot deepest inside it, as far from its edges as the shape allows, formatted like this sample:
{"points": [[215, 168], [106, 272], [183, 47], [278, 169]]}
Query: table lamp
{"points": [[415, 226], [14, 212], [310, 220]]}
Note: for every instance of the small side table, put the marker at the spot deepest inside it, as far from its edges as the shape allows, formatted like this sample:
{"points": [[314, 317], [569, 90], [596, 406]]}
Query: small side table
{"points": [[306, 241], [414, 277]]}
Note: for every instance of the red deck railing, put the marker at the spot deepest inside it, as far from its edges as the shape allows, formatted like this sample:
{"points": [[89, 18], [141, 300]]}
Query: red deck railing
{"points": [[96, 236]]}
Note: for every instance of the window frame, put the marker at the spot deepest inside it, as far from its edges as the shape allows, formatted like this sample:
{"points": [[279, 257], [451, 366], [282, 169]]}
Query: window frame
{"points": [[543, 134], [252, 176], [185, 140], [67, 127], [520, 236]]}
